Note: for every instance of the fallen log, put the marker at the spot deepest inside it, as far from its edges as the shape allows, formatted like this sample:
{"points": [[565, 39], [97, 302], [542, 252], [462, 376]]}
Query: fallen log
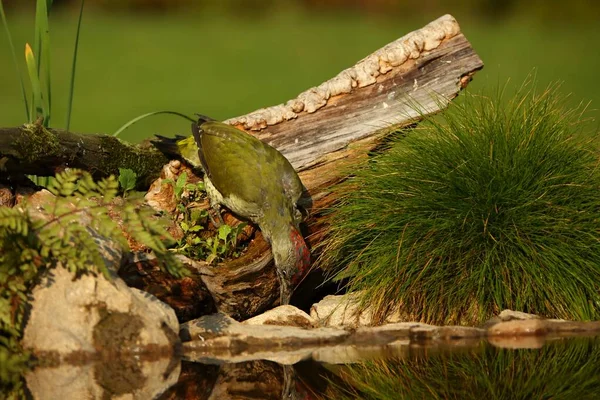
{"points": [[34, 150], [328, 128], [322, 131]]}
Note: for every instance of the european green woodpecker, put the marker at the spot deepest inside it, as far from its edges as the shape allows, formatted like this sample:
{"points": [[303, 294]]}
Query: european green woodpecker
{"points": [[256, 182]]}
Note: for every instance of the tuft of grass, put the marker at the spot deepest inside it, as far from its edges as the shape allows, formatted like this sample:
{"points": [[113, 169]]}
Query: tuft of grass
{"points": [[493, 205], [561, 370]]}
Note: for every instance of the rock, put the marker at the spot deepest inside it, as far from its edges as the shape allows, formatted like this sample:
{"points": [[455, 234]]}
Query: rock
{"points": [[459, 332], [286, 315], [219, 337], [343, 311], [161, 196], [93, 314], [132, 378], [519, 328], [7, 199], [573, 327], [391, 332], [509, 315], [25, 192]]}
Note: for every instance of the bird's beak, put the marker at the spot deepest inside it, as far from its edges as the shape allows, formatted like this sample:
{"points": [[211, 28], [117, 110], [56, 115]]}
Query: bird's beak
{"points": [[285, 292]]}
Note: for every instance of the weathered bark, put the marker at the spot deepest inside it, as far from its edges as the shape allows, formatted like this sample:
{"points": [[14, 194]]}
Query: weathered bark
{"points": [[322, 132]]}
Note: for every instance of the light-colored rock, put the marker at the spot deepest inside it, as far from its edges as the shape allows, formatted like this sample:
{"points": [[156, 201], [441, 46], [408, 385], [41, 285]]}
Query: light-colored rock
{"points": [[391, 332], [343, 311], [93, 313], [7, 198], [219, 337], [573, 327], [519, 328], [509, 315], [220, 326], [160, 195], [459, 332], [286, 315], [121, 379], [23, 193]]}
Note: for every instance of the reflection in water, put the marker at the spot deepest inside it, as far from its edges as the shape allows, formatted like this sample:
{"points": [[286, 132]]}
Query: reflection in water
{"points": [[563, 369], [246, 380], [566, 369], [134, 378]]}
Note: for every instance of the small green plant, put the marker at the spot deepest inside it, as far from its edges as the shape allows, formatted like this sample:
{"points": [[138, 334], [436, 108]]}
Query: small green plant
{"points": [[197, 242], [31, 242], [225, 244], [494, 205], [127, 180]]}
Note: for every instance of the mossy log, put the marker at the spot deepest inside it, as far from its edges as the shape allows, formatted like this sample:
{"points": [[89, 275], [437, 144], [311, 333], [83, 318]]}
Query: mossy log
{"points": [[34, 150], [323, 132]]}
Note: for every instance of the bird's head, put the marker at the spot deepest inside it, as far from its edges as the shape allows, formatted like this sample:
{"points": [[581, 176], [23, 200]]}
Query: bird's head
{"points": [[292, 260]]}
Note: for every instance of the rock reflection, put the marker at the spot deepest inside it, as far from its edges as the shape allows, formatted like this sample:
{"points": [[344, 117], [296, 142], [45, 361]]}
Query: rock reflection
{"points": [[558, 369], [121, 378], [245, 380]]}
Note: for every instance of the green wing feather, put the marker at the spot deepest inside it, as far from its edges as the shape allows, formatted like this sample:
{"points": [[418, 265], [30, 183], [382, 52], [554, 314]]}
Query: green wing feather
{"points": [[240, 164]]}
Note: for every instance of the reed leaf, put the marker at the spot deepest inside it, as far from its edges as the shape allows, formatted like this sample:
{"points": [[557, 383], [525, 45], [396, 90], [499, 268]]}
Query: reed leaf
{"points": [[36, 88], [150, 114], [42, 52], [15, 60], [73, 68]]}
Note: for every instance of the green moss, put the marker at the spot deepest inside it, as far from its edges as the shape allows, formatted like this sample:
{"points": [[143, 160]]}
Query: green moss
{"points": [[36, 143], [146, 163], [494, 205]]}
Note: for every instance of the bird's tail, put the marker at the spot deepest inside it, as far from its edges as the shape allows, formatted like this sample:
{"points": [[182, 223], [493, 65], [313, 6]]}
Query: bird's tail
{"points": [[168, 146], [203, 118], [197, 130], [178, 148]]}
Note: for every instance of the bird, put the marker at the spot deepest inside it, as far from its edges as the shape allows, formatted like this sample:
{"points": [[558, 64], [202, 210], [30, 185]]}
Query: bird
{"points": [[257, 183]]}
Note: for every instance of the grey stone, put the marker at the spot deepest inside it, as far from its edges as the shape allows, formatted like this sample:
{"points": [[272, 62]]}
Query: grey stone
{"points": [[90, 313], [218, 337], [286, 315], [344, 311], [573, 327], [519, 328], [509, 315]]}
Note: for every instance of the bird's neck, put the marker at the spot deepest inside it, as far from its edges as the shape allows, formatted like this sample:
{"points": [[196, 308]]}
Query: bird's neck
{"points": [[290, 251]]}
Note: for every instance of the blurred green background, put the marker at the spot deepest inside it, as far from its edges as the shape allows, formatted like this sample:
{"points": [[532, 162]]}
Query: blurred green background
{"points": [[229, 57]]}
